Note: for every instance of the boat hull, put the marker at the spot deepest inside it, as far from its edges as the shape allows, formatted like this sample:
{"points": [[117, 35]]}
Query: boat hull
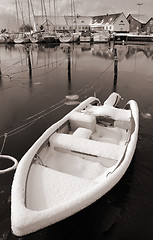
{"points": [[29, 214]]}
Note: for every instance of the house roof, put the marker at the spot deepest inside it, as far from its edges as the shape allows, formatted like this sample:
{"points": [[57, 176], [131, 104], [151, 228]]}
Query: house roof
{"points": [[65, 20], [79, 20], [141, 18], [108, 18]]}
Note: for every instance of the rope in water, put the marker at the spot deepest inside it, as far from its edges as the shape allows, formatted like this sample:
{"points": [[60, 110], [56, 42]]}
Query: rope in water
{"points": [[7, 157], [9, 168], [34, 118]]}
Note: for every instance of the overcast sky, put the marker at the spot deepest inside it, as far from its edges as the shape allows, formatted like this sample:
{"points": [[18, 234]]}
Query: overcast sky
{"points": [[82, 7]]}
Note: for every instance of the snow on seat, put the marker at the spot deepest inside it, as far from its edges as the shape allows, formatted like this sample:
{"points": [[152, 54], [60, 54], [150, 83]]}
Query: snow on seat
{"points": [[110, 112], [78, 119], [49, 188], [82, 132], [102, 150]]}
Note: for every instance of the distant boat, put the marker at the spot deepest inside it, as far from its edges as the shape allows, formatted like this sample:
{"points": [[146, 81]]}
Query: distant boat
{"points": [[21, 38], [74, 163], [36, 37], [2, 38], [129, 37], [49, 37], [68, 37], [100, 37], [86, 37]]}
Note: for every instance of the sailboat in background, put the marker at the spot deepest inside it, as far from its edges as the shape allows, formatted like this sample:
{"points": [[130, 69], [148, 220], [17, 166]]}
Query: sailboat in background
{"points": [[36, 36], [21, 36], [49, 35], [70, 36]]}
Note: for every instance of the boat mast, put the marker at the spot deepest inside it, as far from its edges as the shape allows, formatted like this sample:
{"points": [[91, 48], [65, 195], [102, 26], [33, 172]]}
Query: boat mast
{"points": [[55, 14], [42, 9], [29, 14], [46, 15], [16, 4], [49, 10], [75, 16], [72, 14], [21, 10], [33, 15]]}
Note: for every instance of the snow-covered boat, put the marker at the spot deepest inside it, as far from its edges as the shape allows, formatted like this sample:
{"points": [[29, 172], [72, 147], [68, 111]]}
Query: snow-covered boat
{"points": [[75, 162]]}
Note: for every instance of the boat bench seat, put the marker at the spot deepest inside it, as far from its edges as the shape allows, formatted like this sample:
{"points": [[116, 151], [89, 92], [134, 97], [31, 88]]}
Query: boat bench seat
{"points": [[78, 119], [118, 117], [82, 132], [88, 147]]}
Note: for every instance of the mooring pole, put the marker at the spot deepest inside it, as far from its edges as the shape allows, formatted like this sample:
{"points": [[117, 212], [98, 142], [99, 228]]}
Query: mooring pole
{"points": [[115, 66], [0, 74], [69, 67], [29, 63], [0, 71]]}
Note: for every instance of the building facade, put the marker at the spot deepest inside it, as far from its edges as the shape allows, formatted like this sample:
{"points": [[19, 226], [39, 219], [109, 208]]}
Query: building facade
{"points": [[63, 23], [137, 23], [110, 22], [148, 28]]}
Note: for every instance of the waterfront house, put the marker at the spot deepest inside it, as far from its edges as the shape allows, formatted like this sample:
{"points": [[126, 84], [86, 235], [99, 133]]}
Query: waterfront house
{"points": [[52, 23], [137, 22], [110, 22], [148, 28], [81, 23], [63, 23]]}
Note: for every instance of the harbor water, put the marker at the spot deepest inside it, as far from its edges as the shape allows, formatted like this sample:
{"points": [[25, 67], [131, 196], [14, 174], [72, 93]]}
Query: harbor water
{"points": [[39, 84]]}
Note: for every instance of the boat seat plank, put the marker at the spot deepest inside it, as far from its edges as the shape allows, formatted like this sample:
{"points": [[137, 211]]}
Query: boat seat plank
{"points": [[82, 132], [88, 146], [79, 119], [111, 112]]}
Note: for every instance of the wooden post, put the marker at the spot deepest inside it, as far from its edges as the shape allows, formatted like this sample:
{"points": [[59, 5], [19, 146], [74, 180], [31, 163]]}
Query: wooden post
{"points": [[0, 74], [29, 63], [115, 66], [69, 68]]}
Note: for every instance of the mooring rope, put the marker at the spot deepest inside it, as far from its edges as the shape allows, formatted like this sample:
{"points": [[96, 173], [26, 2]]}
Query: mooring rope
{"points": [[34, 118], [5, 136], [7, 157]]}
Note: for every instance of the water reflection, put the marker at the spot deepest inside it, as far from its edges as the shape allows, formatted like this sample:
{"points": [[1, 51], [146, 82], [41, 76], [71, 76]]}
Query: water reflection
{"points": [[28, 89], [146, 50]]}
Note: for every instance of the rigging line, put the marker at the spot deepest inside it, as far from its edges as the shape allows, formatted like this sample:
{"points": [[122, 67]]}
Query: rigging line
{"points": [[23, 127], [61, 60], [39, 67], [5, 136], [36, 115], [92, 81], [9, 67]]}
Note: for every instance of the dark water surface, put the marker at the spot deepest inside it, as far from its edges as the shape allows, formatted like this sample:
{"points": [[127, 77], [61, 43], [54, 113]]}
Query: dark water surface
{"points": [[33, 85]]}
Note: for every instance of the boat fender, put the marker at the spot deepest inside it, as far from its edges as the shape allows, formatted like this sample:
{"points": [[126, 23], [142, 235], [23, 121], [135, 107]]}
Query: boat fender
{"points": [[9, 168]]}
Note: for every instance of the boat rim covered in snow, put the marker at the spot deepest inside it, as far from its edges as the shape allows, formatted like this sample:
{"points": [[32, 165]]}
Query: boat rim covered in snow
{"points": [[28, 216]]}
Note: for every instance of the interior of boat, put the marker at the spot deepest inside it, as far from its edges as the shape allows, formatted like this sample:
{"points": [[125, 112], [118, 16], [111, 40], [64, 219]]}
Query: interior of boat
{"points": [[87, 138], [79, 153]]}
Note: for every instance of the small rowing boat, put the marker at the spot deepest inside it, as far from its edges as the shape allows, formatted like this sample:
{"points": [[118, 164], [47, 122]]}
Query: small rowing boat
{"points": [[75, 162]]}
